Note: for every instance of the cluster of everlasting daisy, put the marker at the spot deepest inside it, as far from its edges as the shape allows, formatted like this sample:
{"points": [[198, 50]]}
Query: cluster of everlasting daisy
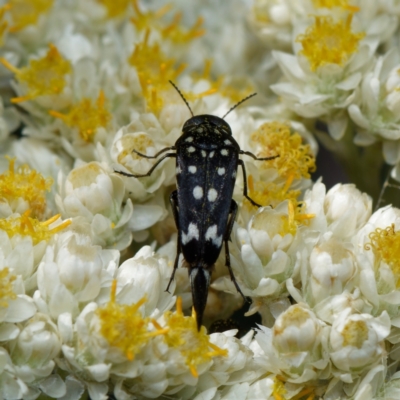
{"points": [[86, 253]]}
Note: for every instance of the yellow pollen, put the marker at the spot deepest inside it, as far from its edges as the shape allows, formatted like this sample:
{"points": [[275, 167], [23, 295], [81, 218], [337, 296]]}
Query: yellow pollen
{"points": [[3, 21], [26, 184], [295, 161], [355, 333], [124, 327], [386, 245], [329, 42], [288, 224], [6, 287], [194, 345], [129, 143], [344, 4], [27, 12], [308, 393], [220, 85], [87, 117], [155, 71], [45, 76], [144, 20], [115, 8], [279, 389], [175, 32], [27, 226]]}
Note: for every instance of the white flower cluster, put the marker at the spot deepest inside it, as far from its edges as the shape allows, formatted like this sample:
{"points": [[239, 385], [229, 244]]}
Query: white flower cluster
{"points": [[327, 293], [338, 64], [86, 253]]}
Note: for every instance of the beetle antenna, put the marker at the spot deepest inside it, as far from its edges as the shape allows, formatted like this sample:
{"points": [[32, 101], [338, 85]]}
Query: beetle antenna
{"points": [[238, 104], [183, 98]]}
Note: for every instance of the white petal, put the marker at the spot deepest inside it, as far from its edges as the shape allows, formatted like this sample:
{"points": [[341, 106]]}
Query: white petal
{"points": [[53, 386], [20, 309]]}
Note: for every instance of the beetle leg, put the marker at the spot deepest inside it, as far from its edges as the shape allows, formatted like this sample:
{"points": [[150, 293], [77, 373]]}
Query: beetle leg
{"points": [[173, 198], [241, 163], [227, 237], [150, 171], [248, 153], [157, 154]]}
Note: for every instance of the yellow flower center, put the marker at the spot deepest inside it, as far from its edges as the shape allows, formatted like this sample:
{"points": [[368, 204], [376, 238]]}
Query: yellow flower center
{"points": [[296, 316], [140, 142], [386, 245], [27, 184], [194, 345], [295, 161], [26, 226], [155, 71], [124, 327], [45, 76], [355, 333], [6, 287], [87, 116], [344, 4], [27, 12], [329, 42], [277, 223]]}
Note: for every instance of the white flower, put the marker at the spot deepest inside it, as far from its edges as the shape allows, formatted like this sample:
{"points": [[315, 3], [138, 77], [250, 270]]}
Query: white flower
{"points": [[262, 256], [378, 242], [135, 137], [11, 386], [71, 273], [294, 346], [34, 350], [146, 275], [92, 192], [375, 109], [332, 266], [273, 20], [357, 342], [341, 211], [317, 84], [347, 209], [27, 370]]}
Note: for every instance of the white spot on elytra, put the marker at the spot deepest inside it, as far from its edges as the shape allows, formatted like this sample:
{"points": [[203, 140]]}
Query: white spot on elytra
{"points": [[211, 234], [193, 233], [212, 194], [192, 169], [224, 152], [189, 139], [211, 155], [191, 149], [178, 169], [203, 153], [198, 192], [221, 171], [227, 141], [200, 130], [234, 174]]}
